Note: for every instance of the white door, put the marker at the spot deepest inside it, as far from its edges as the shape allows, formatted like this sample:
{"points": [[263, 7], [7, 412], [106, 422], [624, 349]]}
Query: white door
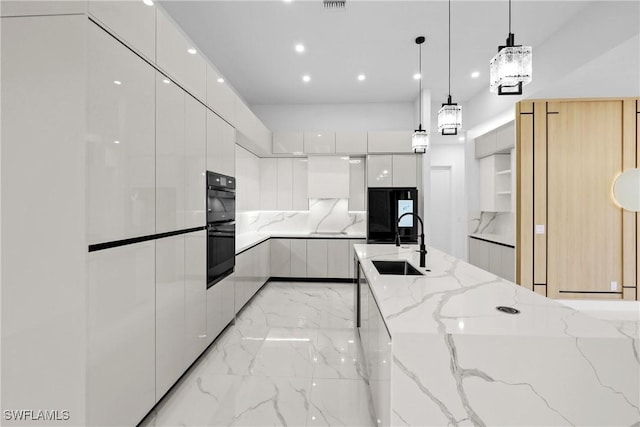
{"points": [[441, 209]]}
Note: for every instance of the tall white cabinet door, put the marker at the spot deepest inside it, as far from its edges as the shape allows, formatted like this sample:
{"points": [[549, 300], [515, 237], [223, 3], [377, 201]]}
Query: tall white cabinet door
{"points": [[287, 142], [404, 170], [121, 334], [338, 258], [285, 184], [298, 258], [243, 274], [300, 196], [220, 97], [170, 156], [268, 184], [195, 294], [228, 285], [121, 141], [317, 258], [133, 21], [195, 116], [379, 171], [228, 149], [351, 142], [322, 142], [221, 145], [214, 311], [280, 258], [357, 185], [170, 308], [507, 263]]}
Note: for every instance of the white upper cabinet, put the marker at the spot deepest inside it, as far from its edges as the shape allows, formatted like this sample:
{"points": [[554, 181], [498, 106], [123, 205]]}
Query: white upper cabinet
{"points": [[221, 148], [247, 180], [287, 142], [300, 200], [357, 185], [195, 124], [499, 140], [351, 142], [505, 137], [41, 7], [485, 145], [132, 21], [121, 141], [170, 156], [379, 171], [405, 170], [251, 132], [319, 142], [220, 97], [389, 142], [328, 177], [285, 184], [179, 57], [268, 184]]}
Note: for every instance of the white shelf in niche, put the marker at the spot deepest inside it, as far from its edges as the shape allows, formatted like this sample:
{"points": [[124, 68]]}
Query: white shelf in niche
{"points": [[504, 172], [504, 193]]}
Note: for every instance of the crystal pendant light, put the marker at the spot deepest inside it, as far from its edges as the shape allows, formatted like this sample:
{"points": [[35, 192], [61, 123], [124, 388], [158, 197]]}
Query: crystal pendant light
{"points": [[510, 69], [420, 138], [450, 115]]}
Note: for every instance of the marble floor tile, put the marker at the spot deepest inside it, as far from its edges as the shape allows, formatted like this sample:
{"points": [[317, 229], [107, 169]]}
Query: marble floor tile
{"points": [[338, 402], [286, 352], [338, 355]]}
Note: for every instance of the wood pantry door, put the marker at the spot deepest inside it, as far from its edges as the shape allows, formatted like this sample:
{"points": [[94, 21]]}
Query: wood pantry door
{"points": [[584, 226]]}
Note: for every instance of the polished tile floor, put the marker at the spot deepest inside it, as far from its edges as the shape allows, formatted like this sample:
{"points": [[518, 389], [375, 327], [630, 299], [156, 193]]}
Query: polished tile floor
{"points": [[292, 358]]}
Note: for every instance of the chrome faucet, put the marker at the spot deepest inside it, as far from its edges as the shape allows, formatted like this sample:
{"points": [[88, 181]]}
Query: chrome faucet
{"points": [[423, 249]]}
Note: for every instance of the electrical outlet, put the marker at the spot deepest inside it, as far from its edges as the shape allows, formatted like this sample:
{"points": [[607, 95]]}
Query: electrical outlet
{"points": [[614, 286], [539, 228]]}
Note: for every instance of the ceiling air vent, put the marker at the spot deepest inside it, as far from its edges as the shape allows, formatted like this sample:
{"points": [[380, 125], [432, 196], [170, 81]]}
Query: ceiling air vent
{"points": [[334, 5]]}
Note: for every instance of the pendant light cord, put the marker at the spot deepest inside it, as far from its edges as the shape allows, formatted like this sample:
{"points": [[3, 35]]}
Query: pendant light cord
{"points": [[509, 16], [450, 48], [420, 93]]}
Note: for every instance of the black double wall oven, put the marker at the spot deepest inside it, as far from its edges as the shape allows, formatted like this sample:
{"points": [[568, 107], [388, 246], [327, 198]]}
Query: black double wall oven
{"points": [[221, 227]]}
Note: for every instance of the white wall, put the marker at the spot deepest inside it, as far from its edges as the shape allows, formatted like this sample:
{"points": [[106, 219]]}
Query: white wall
{"points": [[339, 117]]}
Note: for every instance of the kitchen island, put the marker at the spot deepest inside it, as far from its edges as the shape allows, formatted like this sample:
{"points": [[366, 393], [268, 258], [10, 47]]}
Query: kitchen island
{"points": [[439, 353]]}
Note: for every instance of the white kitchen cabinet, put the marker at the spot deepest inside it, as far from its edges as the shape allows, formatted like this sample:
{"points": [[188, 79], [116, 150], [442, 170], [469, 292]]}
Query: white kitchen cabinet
{"points": [[228, 286], [300, 198], [220, 97], [120, 140], [508, 263], [195, 116], [281, 257], [505, 137], [389, 142], [357, 184], [215, 321], [268, 184], [170, 156], [319, 142], [328, 177], [404, 170], [380, 170], [170, 312], [221, 149], [134, 22], [247, 180], [284, 192], [243, 271], [195, 295], [174, 57], [251, 132], [13, 8], [485, 145], [338, 258], [263, 265], [352, 242], [479, 253], [298, 258], [121, 333], [351, 142], [288, 143], [252, 271], [493, 257], [317, 258], [495, 183]]}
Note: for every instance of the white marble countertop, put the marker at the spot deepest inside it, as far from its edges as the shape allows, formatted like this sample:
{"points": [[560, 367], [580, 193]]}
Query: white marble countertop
{"points": [[247, 240], [458, 361], [496, 238]]}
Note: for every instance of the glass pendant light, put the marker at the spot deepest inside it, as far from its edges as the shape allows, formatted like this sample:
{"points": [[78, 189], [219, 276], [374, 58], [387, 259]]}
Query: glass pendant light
{"points": [[450, 114], [420, 138], [510, 69]]}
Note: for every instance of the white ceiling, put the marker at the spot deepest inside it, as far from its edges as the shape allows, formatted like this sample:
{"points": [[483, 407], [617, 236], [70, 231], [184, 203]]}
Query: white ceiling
{"points": [[252, 45]]}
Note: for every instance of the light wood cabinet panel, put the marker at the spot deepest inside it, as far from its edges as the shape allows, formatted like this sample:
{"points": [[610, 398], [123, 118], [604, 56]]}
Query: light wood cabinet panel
{"points": [[524, 194], [404, 170], [540, 194], [319, 142], [299, 258], [132, 21], [288, 142], [379, 170], [280, 257], [584, 227], [317, 258], [351, 142]]}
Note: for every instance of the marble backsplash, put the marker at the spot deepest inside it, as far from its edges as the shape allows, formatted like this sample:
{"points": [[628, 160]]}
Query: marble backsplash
{"points": [[324, 216], [500, 223]]}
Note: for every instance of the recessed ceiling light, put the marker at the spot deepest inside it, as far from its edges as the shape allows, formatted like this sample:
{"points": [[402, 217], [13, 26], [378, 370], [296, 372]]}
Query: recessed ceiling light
{"points": [[306, 78], [417, 76], [116, 142], [117, 82], [148, 2], [299, 48], [361, 77], [475, 74], [192, 51], [220, 80], [287, 1], [167, 81]]}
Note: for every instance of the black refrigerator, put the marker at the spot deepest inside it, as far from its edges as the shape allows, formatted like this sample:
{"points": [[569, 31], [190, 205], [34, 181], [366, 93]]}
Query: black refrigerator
{"points": [[385, 205]]}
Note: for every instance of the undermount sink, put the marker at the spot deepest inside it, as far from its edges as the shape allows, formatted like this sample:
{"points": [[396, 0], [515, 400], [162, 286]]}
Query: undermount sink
{"points": [[399, 268]]}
